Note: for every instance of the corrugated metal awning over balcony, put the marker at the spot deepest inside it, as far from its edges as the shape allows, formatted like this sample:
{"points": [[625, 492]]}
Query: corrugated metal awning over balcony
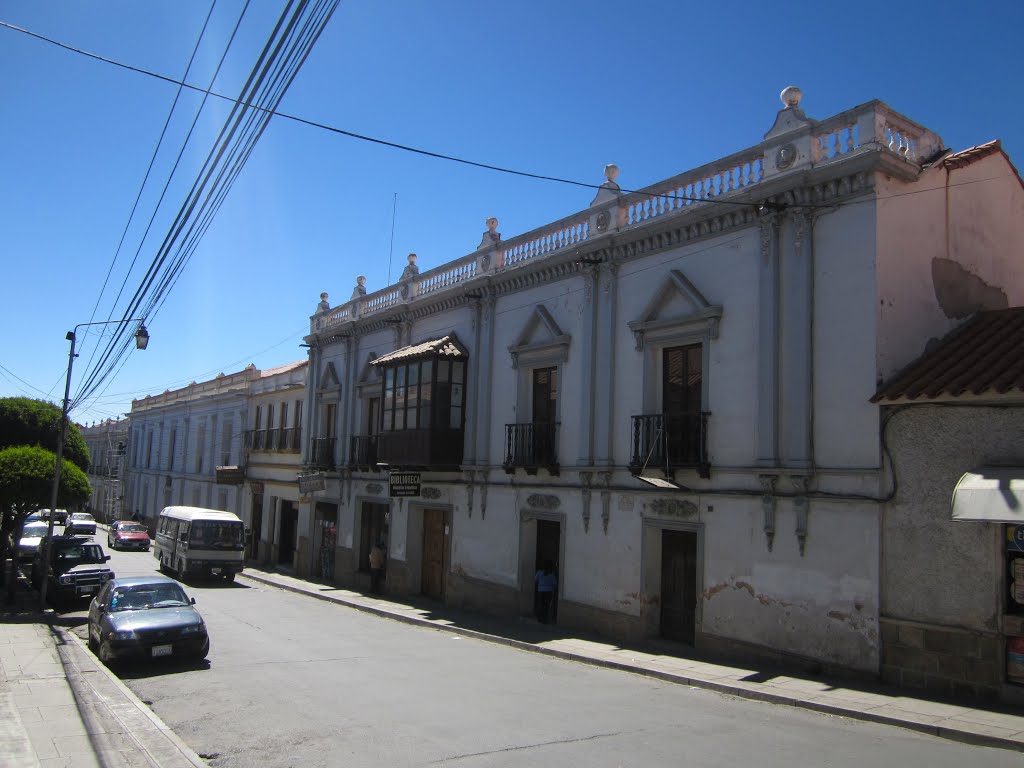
{"points": [[446, 346], [990, 495]]}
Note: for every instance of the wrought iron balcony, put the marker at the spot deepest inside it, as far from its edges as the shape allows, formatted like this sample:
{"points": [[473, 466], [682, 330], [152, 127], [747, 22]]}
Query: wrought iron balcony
{"points": [[363, 452], [531, 447], [289, 440], [321, 455], [671, 441]]}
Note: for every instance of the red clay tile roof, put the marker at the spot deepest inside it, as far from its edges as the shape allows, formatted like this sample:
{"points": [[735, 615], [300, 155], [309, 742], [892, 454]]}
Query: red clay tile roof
{"points": [[446, 346], [969, 155], [983, 356]]}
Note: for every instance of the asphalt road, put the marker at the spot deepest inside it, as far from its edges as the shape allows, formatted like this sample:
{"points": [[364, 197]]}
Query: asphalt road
{"points": [[293, 681]]}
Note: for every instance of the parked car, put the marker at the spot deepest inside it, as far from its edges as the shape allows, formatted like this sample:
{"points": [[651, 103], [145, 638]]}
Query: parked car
{"points": [[80, 523], [35, 517], [32, 532], [127, 534], [77, 567], [146, 617], [59, 515]]}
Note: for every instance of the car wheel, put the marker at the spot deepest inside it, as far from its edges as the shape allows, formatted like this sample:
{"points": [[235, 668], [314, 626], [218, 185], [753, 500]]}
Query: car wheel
{"points": [[180, 572], [106, 655], [204, 651], [229, 577], [93, 645]]}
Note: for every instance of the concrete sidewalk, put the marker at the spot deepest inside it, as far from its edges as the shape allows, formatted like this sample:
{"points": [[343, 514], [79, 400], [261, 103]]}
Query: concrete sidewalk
{"points": [[60, 706], [960, 721]]}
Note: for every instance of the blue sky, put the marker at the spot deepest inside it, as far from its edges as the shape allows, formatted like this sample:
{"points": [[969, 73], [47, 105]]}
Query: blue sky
{"points": [[555, 88]]}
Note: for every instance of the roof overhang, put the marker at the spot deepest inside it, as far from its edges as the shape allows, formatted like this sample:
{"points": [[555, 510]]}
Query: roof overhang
{"points": [[990, 495]]}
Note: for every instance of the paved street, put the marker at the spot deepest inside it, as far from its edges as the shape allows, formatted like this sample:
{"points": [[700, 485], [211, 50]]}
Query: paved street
{"points": [[293, 681]]}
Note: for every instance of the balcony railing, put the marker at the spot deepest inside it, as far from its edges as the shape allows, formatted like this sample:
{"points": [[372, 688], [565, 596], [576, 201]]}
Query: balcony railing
{"points": [[671, 441], [531, 447], [290, 440], [286, 440], [869, 128], [321, 455], [363, 452], [431, 448]]}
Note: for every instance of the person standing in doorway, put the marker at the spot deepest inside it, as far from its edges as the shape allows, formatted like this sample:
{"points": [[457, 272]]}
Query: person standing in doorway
{"points": [[376, 567], [546, 581]]}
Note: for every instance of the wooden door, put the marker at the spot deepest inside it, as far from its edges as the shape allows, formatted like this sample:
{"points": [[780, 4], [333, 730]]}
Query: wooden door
{"points": [[435, 552], [678, 585]]}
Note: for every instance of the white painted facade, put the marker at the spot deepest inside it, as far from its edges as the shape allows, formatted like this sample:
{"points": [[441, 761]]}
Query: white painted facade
{"points": [[805, 270], [273, 461], [178, 440]]}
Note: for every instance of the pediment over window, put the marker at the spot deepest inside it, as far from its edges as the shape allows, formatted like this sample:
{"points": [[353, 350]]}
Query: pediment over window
{"points": [[676, 311], [328, 379], [541, 342], [369, 377]]}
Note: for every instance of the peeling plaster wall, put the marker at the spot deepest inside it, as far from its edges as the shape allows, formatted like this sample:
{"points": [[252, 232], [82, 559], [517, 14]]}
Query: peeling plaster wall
{"points": [[822, 605], [933, 271], [935, 570]]}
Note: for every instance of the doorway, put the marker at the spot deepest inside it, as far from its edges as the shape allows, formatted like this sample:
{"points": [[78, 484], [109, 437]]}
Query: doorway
{"points": [[289, 520], [256, 526], [435, 552], [678, 585], [549, 545]]}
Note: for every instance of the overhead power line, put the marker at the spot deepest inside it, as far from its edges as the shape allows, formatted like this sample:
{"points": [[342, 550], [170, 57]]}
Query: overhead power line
{"points": [[294, 35], [371, 139]]}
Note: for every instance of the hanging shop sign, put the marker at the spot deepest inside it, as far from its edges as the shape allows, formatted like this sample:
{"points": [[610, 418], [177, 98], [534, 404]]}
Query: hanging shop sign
{"points": [[311, 482]]}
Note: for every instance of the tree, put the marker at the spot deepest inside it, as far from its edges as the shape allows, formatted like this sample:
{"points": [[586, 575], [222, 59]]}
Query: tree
{"points": [[24, 421], [26, 484]]}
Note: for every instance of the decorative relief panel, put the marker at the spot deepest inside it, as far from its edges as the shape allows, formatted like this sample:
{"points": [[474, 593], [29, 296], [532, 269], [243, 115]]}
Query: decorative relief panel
{"points": [[673, 507], [430, 493], [374, 488], [543, 501]]}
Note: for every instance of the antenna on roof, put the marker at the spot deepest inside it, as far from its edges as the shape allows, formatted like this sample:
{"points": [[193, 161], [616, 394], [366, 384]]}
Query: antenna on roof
{"points": [[391, 250]]}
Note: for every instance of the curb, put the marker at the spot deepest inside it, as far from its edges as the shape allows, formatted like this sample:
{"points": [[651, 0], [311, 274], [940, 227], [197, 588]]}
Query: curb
{"points": [[945, 732], [186, 752]]}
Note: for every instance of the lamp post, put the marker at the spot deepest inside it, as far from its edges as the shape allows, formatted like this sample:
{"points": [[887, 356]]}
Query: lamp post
{"points": [[141, 342]]}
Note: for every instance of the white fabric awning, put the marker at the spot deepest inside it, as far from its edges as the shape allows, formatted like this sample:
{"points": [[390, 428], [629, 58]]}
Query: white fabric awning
{"points": [[990, 495]]}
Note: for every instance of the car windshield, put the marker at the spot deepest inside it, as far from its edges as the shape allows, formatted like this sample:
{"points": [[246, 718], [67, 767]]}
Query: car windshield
{"points": [[83, 553], [142, 596], [33, 530], [213, 534], [82, 516], [130, 528]]}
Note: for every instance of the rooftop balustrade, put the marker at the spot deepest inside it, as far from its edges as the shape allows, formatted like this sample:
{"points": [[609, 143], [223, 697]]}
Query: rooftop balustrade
{"points": [[871, 127]]}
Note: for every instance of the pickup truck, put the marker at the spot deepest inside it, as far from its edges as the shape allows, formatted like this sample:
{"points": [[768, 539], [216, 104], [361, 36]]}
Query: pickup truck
{"points": [[77, 567]]}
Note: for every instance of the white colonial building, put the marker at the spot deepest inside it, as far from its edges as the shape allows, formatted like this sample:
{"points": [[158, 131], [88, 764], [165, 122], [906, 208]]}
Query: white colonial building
{"points": [[667, 396], [273, 461], [186, 446], [107, 442]]}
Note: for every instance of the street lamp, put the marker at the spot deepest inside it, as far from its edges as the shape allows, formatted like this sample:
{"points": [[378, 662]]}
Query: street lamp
{"points": [[141, 342]]}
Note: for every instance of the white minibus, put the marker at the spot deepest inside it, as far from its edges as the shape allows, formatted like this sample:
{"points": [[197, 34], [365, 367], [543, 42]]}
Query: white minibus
{"points": [[192, 541]]}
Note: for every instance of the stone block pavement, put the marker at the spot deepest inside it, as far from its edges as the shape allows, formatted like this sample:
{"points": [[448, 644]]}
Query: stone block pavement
{"points": [[60, 706]]}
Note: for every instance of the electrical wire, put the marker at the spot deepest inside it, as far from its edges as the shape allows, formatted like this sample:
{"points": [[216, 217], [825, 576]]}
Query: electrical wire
{"points": [[278, 64], [145, 180], [382, 142]]}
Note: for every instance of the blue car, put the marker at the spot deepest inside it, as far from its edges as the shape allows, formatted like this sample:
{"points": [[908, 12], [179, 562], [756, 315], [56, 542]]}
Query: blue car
{"points": [[146, 617]]}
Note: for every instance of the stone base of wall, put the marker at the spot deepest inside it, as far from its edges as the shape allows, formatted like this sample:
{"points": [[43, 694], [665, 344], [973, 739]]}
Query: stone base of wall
{"points": [[947, 660], [471, 594], [620, 627], [741, 651]]}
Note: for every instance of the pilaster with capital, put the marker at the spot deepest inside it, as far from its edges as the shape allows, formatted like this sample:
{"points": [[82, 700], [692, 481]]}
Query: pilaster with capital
{"points": [[801, 507], [768, 503], [585, 479]]}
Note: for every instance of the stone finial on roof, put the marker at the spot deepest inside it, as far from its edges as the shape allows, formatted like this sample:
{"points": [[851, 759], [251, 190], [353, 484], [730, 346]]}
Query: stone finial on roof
{"points": [[411, 270], [360, 289], [323, 306], [492, 236], [790, 117], [610, 189]]}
